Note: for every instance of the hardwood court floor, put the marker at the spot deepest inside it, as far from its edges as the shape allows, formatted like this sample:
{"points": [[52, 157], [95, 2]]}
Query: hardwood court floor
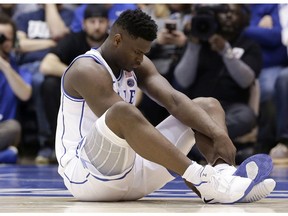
{"points": [[39, 189]]}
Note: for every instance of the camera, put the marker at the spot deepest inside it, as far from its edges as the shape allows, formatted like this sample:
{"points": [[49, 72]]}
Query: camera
{"points": [[2, 38], [205, 22], [171, 26]]}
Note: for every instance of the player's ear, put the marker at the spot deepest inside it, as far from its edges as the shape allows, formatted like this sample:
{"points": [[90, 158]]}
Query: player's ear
{"points": [[117, 39]]}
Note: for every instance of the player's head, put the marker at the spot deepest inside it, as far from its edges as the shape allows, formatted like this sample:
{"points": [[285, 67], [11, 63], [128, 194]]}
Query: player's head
{"points": [[131, 36], [137, 24]]}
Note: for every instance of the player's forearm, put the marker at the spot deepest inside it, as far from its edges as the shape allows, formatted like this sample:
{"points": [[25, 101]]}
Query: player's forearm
{"points": [[193, 115]]}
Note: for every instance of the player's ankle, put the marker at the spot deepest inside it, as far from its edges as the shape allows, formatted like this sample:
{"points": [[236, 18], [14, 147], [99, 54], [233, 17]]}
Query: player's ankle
{"points": [[192, 173]]}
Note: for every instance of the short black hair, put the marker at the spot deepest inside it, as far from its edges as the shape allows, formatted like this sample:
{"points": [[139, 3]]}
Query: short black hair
{"points": [[95, 10], [138, 24]]}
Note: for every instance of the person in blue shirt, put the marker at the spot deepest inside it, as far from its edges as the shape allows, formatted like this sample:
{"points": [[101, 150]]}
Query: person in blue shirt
{"points": [[14, 86], [37, 33], [265, 27]]}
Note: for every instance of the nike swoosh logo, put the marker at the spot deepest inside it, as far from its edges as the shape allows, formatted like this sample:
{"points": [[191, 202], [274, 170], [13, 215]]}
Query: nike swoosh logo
{"points": [[207, 201]]}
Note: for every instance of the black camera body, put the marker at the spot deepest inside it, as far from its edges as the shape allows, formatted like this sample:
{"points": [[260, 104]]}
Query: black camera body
{"points": [[205, 22], [2, 38], [170, 26]]}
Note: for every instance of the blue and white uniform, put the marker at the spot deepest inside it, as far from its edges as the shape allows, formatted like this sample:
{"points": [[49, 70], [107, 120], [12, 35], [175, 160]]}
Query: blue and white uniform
{"points": [[97, 165]]}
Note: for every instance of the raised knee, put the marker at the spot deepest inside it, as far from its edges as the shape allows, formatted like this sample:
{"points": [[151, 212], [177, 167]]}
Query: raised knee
{"points": [[207, 103], [123, 111], [121, 116]]}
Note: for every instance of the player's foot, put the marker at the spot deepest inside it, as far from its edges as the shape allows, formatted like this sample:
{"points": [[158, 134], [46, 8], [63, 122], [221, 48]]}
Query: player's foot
{"points": [[217, 188], [258, 168]]}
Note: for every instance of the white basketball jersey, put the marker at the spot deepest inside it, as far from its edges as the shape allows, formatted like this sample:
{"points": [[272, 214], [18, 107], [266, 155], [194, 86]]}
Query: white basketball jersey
{"points": [[75, 118]]}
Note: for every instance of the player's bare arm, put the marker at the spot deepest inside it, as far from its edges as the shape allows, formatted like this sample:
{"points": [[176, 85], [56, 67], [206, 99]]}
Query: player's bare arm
{"points": [[91, 81], [190, 112], [178, 104]]}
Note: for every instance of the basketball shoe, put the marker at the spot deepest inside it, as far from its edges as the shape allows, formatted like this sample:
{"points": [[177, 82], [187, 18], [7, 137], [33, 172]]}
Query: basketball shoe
{"points": [[217, 188], [257, 168]]}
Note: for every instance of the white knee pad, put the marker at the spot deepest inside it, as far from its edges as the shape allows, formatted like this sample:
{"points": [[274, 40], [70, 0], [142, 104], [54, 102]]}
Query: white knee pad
{"points": [[107, 152], [179, 134]]}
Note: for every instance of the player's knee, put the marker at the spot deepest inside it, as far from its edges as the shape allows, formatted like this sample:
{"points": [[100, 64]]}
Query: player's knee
{"points": [[208, 103], [122, 112]]}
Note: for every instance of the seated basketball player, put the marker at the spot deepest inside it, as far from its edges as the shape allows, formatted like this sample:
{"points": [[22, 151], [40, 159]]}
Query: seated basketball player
{"points": [[108, 151]]}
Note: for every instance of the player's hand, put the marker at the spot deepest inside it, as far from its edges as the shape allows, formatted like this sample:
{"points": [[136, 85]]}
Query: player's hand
{"points": [[225, 148]]}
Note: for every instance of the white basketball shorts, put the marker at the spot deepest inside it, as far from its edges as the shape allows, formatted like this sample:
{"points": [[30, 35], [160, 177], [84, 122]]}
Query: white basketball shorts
{"points": [[136, 178]]}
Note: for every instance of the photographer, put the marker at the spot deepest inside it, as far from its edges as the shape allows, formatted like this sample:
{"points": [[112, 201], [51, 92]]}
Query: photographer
{"points": [[14, 86], [218, 62]]}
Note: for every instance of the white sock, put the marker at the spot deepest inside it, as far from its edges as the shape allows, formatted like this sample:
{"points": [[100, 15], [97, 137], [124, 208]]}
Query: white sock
{"points": [[192, 173]]}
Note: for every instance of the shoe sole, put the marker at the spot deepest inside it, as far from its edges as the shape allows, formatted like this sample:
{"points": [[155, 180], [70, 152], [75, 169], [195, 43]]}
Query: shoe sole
{"points": [[260, 191], [261, 163]]}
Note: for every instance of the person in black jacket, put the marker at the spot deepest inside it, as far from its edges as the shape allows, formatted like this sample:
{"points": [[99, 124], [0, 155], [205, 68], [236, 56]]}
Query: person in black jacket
{"points": [[221, 63]]}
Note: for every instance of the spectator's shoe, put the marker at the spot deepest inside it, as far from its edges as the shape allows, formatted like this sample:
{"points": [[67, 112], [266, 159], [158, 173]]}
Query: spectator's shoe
{"points": [[217, 188], [258, 168], [9, 155], [44, 156], [279, 154]]}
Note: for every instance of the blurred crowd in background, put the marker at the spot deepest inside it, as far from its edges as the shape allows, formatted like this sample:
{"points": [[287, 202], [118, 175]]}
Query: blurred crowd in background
{"points": [[236, 53]]}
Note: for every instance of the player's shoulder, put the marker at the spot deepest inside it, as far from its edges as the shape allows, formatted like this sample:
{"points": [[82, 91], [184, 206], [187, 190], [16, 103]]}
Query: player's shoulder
{"points": [[87, 64]]}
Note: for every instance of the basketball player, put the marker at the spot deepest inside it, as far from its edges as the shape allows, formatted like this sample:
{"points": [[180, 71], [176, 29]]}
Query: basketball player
{"points": [[108, 151]]}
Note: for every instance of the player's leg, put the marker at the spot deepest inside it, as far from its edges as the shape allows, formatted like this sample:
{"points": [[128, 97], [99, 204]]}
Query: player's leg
{"points": [[259, 165], [205, 145], [128, 123]]}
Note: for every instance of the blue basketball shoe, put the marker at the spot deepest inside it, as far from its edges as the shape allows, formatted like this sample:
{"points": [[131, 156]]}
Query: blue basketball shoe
{"points": [[215, 187], [257, 168]]}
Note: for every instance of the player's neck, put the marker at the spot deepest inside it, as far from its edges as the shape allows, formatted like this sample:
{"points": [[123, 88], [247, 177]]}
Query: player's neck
{"points": [[107, 57]]}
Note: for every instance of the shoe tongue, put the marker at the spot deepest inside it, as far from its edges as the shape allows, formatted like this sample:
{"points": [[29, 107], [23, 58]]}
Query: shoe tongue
{"points": [[225, 169], [207, 172]]}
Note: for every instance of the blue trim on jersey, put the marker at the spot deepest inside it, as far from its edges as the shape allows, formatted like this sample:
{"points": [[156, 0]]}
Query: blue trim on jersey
{"points": [[98, 178], [84, 162], [63, 132], [62, 79], [120, 76], [73, 182], [81, 119], [105, 179]]}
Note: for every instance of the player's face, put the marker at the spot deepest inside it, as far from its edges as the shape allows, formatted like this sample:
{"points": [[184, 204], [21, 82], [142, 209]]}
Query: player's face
{"points": [[131, 52]]}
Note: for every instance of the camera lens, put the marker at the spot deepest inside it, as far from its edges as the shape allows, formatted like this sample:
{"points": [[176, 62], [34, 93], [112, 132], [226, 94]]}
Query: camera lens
{"points": [[2, 38]]}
